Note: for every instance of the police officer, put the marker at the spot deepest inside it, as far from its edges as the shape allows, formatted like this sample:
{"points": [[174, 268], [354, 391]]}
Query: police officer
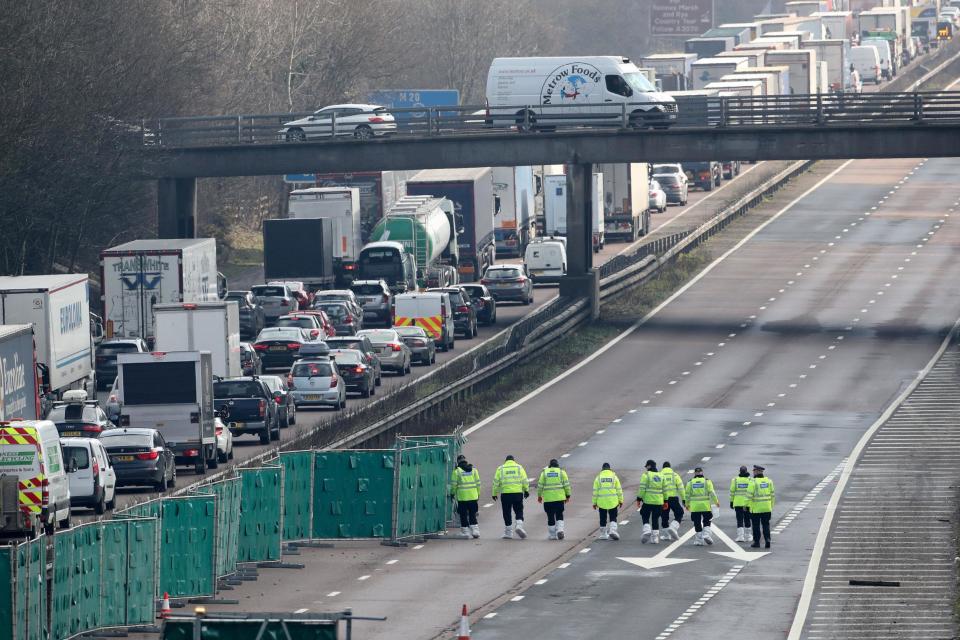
{"points": [[607, 498], [740, 503], [672, 502], [465, 489], [511, 485], [553, 491], [650, 501], [762, 497], [700, 495]]}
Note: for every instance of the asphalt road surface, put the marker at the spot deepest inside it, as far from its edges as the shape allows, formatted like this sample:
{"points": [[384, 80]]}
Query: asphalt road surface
{"points": [[781, 353]]}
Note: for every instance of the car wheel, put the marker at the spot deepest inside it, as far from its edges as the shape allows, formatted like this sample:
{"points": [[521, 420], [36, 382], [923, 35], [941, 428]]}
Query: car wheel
{"points": [[433, 358], [379, 380], [363, 132], [101, 507], [291, 415], [286, 419], [161, 485], [408, 369], [528, 301], [275, 433], [265, 436], [296, 135], [222, 457]]}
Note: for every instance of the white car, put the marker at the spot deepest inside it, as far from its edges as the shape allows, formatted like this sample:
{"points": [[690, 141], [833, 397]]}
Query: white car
{"points": [[224, 441], [674, 169], [362, 121], [658, 197], [93, 482]]}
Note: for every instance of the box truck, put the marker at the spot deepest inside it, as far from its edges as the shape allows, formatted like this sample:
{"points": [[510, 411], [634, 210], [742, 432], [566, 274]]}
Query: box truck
{"points": [[471, 192], [707, 70], [626, 198], [836, 54], [342, 206], [299, 250], [516, 222], [202, 326], [19, 394], [139, 274], [673, 70], [58, 308], [802, 65], [555, 209], [171, 392]]}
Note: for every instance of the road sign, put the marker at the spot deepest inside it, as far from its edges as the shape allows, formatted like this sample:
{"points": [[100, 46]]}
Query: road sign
{"points": [[300, 178], [413, 98], [681, 18]]}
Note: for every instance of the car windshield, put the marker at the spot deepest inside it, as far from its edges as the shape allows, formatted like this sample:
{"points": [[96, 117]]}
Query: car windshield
{"points": [[367, 289], [332, 295], [113, 348], [73, 413], [78, 455], [638, 82], [335, 311], [311, 370], [237, 389], [502, 274], [280, 333], [303, 323], [126, 440], [381, 335], [346, 357], [349, 341], [411, 332], [269, 292]]}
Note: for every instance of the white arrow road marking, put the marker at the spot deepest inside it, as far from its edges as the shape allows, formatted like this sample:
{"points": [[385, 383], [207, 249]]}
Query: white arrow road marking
{"points": [[738, 552], [662, 559]]}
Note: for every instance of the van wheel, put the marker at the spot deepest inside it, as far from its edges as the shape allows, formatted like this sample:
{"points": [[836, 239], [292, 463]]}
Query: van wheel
{"points": [[112, 504], [222, 457], [51, 525], [101, 507], [526, 121]]}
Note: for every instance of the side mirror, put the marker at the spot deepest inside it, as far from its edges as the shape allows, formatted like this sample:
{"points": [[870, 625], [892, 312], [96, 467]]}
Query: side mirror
{"points": [[73, 466]]}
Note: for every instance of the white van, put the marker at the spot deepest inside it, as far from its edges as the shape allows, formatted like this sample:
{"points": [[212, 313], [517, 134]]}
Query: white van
{"points": [[429, 310], [574, 90], [93, 482], [866, 60], [546, 260], [30, 452], [888, 62]]}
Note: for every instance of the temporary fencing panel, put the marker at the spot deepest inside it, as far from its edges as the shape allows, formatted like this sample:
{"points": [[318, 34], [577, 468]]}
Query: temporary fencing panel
{"points": [[23, 593], [353, 494], [454, 445], [228, 522], [422, 495], [187, 543], [251, 630], [76, 581], [261, 498], [297, 494]]}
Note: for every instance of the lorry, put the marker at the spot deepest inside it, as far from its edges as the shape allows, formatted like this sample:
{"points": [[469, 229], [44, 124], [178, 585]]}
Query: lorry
{"points": [[342, 206], [475, 208], [202, 326], [803, 67], [299, 250], [378, 190], [626, 200], [19, 392], [136, 275], [836, 54], [674, 70], [426, 227], [516, 225], [555, 209], [58, 308], [171, 392]]}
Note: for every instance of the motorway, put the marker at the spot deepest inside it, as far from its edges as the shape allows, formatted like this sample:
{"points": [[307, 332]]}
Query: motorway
{"points": [[782, 352]]}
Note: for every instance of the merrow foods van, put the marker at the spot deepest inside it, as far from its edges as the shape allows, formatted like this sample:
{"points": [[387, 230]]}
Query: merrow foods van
{"points": [[34, 489], [574, 90], [431, 311]]}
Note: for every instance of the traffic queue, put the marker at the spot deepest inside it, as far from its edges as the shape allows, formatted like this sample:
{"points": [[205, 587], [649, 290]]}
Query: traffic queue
{"points": [[662, 500]]}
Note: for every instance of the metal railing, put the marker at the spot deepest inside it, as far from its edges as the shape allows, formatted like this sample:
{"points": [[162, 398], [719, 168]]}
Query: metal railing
{"points": [[688, 112]]}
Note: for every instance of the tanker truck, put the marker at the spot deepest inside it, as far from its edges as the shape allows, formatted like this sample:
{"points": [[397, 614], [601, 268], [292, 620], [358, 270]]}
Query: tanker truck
{"points": [[417, 233]]}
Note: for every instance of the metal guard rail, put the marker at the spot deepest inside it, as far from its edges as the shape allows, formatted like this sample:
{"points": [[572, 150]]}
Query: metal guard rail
{"points": [[688, 112]]}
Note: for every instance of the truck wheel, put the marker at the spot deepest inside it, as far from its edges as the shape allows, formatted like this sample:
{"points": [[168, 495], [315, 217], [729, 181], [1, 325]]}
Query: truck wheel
{"points": [[200, 468], [101, 507], [265, 436], [214, 460]]}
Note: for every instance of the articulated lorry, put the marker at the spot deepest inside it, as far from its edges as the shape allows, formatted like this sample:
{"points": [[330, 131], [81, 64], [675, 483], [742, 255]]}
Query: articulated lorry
{"points": [[300, 250], [516, 188], [202, 326], [137, 275], [19, 396], [342, 206], [378, 191], [58, 308], [626, 200], [555, 209]]}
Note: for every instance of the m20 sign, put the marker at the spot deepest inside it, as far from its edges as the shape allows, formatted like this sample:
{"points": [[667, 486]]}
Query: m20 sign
{"points": [[681, 18]]}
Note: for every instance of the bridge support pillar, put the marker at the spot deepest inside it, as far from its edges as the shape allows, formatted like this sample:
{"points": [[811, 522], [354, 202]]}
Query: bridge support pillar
{"points": [[581, 280], [177, 208]]}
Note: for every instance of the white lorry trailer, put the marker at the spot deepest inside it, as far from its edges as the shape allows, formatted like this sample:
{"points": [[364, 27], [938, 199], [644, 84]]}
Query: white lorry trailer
{"points": [[516, 222], [58, 308], [555, 208], [342, 206], [626, 200], [137, 275], [202, 326]]}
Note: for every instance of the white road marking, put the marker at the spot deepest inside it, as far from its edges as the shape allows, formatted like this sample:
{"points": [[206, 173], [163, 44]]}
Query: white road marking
{"points": [[601, 431], [362, 578], [301, 611], [733, 434], [517, 598], [490, 504], [490, 615], [721, 446], [541, 581], [419, 546], [333, 594], [394, 561], [563, 565], [587, 550], [566, 455]]}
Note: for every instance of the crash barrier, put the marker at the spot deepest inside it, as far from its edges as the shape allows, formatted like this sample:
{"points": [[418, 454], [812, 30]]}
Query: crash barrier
{"points": [[261, 513], [187, 543], [227, 521], [23, 592], [267, 626]]}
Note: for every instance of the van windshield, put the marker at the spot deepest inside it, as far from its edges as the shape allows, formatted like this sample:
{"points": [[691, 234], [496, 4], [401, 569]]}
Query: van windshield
{"points": [[638, 82]]}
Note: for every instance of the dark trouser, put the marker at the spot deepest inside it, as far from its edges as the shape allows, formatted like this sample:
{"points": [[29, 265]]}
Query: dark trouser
{"points": [[650, 514], [554, 511], [512, 501], [673, 504], [701, 519], [468, 512], [761, 520], [607, 513], [743, 516]]}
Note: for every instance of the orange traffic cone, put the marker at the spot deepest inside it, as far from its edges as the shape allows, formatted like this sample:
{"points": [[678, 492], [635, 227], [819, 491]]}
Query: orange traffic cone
{"points": [[464, 633], [165, 606]]}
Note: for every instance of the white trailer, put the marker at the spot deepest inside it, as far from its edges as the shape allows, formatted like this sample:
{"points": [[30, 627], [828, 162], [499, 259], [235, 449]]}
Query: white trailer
{"points": [[555, 208], [58, 308], [340, 204], [516, 222], [803, 68], [836, 54], [707, 70], [137, 275], [626, 200], [202, 326]]}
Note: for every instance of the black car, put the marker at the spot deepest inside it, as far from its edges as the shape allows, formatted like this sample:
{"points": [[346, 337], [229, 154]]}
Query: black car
{"points": [[364, 346], [249, 360], [356, 373], [345, 318], [140, 457], [279, 347], [252, 318], [483, 301], [79, 419], [105, 361], [283, 398], [247, 407], [705, 175], [464, 313]]}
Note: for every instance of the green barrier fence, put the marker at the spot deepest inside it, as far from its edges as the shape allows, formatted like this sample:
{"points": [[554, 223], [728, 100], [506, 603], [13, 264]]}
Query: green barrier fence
{"points": [[228, 493], [261, 504], [297, 494], [452, 443], [23, 593], [75, 599], [188, 548], [263, 629], [353, 493], [421, 497]]}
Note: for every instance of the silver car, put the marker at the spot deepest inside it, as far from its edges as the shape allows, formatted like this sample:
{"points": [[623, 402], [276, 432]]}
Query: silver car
{"points": [[276, 300], [362, 121], [423, 349], [315, 382], [393, 352], [509, 282], [376, 299]]}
